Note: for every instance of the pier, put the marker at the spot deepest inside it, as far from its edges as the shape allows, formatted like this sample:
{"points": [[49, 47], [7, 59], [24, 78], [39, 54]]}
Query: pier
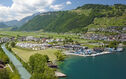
{"points": [[59, 74]]}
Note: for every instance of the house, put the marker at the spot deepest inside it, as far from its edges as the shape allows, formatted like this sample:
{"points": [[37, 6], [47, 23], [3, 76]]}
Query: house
{"points": [[51, 65], [124, 29], [29, 38], [44, 39], [23, 38], [5, 39], [36, 39], [12, 38], [34, 46], [98, 49], [123, 37]]}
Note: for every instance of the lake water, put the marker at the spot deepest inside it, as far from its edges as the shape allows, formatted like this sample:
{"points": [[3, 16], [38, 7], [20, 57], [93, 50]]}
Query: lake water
{"points": [[111, 66]]}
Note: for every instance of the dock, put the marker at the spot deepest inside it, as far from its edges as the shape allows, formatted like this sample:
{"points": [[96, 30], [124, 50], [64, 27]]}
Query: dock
{"points": [[59, 74]]}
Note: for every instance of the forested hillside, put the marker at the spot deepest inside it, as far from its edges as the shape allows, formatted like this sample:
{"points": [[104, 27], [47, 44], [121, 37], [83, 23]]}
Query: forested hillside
{"points": [[78, 20]]}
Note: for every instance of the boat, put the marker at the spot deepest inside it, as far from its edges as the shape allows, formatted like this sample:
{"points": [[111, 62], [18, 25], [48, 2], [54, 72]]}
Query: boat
{"points": [[119, 49]]}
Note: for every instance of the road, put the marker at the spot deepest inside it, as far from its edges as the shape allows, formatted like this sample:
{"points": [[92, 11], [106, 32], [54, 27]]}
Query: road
{"points": [[22, 71]]}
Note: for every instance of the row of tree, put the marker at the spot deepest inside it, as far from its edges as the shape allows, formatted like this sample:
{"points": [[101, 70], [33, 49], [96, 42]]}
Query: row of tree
{"points": [[4, 74]]}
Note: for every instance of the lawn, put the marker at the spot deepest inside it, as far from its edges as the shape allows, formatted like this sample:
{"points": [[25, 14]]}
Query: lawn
{"points": [[24, 54]]}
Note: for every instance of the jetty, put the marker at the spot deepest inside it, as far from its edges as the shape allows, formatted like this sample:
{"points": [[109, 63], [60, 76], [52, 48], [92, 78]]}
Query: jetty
{"points": [[59, 74]]}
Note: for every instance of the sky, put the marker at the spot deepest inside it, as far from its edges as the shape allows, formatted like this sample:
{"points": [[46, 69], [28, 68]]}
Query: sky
{"points": [[18, 9]]}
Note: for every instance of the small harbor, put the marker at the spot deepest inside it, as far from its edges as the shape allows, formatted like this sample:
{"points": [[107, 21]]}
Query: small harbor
{"points": [[110, 66], [84, 51]]}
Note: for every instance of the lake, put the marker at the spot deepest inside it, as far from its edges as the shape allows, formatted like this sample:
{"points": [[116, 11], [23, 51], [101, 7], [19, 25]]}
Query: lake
{"points": [[110, 66]]}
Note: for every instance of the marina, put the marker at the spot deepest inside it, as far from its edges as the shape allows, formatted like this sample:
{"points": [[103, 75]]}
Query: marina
{"points": [[109, 66], [92, 52]]}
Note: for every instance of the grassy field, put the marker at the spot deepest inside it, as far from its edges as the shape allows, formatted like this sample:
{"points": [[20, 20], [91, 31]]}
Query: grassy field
{"points": [[24, 54], [15, 33], [35, 34]]}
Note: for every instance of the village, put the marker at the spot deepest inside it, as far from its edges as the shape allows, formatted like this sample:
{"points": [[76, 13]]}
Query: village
{"points": [[113, 33], [92, 36], [71, 48]]}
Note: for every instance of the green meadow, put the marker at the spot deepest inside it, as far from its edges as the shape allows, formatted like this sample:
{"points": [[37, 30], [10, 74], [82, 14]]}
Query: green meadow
{"points": [[24, 54]]}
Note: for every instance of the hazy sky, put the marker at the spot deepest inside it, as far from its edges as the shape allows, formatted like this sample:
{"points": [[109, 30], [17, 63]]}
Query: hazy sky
{"points": [[18, 9]]}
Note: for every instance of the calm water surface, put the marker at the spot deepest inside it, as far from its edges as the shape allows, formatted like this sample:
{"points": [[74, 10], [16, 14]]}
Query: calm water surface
{"points": [[111, 66]]}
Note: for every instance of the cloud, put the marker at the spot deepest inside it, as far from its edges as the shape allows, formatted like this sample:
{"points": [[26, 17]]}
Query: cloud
{"points": [[57, 7], [22, 8], [68, 3]]}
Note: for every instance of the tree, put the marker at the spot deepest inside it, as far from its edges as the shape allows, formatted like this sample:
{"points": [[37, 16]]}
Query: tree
{"points": [[47, 58], [47, 74], [84, 30], [113, 44], [4, 74], [5, 59], [37, 63], [36, 76], [39, 68], [124, 42], [12, 44], [60, 56], [68, 40]]}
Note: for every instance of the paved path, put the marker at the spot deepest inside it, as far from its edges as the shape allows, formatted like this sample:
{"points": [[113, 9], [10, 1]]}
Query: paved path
{"points": [[22, 71], [10, 67]]}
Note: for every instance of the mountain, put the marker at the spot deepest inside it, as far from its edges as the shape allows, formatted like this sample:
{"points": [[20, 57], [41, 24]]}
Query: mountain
{"points": [[15, 23], [2, 25], [12, 23], [26, 19], [78, 20]]}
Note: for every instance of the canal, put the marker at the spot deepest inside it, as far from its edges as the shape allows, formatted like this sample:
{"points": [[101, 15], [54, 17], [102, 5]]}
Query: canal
{"points": [[22, 71]]}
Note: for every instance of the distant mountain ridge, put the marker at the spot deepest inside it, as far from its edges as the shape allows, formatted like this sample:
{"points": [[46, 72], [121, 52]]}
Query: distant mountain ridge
{"points": [[16, 23], [78, 20], [12, 23], [2, 25]]}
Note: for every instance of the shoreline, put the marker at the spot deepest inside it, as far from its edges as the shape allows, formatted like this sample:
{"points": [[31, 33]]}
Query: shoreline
{"points": [[92, 55]]}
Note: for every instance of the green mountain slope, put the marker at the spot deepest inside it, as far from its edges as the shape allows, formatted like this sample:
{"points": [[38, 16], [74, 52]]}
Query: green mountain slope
{"points": [[87, 16]]}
